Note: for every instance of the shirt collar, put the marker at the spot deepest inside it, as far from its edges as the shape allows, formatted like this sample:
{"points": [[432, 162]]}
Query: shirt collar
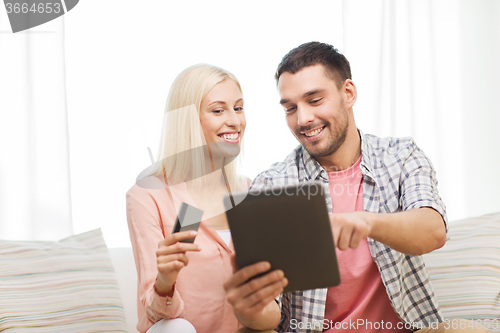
{"points": [[314, 170], [366, 153]]}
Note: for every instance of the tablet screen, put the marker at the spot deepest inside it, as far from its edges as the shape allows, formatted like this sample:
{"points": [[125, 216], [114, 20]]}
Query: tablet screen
{"points": [[289, 227]]}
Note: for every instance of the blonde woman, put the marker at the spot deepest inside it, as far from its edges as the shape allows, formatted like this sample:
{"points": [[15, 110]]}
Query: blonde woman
{"points": [[201, 136]]}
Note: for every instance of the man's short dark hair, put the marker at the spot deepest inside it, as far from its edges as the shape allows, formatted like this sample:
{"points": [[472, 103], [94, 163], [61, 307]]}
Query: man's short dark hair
{"points": [[312, 53]]}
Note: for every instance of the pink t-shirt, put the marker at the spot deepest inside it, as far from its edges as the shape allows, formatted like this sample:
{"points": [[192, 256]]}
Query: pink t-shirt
{"points": [[360, 303]]}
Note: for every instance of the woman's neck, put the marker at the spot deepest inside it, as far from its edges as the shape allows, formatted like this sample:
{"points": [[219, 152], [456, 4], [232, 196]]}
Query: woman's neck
{"points": [[213, 181]]}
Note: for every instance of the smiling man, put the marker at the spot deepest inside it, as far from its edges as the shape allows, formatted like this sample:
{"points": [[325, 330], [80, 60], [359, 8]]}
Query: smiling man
{"points": [[385, 213]]}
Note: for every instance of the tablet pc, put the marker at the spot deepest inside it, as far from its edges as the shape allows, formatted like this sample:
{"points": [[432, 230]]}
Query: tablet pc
{"points": [[289, 227]]}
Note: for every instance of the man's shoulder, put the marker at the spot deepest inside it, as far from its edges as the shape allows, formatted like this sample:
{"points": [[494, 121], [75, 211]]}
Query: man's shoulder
{"points": [[390, 144], [389, 148]]}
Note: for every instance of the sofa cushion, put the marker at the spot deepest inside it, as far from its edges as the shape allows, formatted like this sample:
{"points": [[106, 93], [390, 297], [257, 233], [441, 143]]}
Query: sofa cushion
{"points": [[66, 286], [465, 273]]}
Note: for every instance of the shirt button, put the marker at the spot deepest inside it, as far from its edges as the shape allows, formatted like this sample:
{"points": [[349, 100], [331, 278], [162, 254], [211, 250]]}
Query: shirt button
{"points": [[169, 303]]}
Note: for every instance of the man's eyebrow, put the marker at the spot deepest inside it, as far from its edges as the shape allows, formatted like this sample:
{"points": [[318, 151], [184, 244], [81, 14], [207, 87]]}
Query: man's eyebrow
{"points": [[307, 94], [312, 92]]}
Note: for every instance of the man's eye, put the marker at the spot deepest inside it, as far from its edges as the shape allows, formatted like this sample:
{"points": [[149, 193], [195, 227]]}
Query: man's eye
{"points": [[289, 110], [316, 100]]}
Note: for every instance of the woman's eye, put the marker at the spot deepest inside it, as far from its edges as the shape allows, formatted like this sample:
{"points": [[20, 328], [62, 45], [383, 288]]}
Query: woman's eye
{"points": [[238, 109], [218, 111]]}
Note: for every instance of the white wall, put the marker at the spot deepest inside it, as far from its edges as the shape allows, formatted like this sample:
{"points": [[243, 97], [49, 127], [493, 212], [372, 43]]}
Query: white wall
{"points": [[122, 57], [438, 81]]}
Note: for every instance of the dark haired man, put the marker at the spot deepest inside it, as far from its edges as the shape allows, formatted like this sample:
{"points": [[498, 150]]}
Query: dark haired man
{"points": [[386, 213]]}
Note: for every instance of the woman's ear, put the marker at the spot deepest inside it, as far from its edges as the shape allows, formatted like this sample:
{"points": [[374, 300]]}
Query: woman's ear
{"points": [[350, 93]]}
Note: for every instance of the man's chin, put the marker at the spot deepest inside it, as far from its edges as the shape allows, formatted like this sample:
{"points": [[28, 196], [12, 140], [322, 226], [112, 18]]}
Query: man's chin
{"points": [[314, 152], [318, 150]]}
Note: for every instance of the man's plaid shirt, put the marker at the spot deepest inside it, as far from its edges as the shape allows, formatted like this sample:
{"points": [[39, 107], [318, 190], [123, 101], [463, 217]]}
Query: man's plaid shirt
{"points": [[397, 176]]}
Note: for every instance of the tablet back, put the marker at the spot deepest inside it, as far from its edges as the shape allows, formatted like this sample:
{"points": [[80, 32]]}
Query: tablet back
{"points": [[290, 228]]}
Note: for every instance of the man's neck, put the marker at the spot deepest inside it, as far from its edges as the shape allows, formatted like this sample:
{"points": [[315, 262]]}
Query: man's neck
{"points": [[346, 155]]}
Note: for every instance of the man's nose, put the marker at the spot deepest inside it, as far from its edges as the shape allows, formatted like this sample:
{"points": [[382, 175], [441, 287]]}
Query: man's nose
{"points": [[304, 116]]}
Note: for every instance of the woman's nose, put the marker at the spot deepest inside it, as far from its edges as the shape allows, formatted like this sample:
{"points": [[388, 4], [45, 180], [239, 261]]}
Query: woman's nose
{"points": [[233, 119]]}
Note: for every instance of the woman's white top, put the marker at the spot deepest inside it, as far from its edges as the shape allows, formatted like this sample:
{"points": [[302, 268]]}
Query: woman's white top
{"points": [[225, 235]]}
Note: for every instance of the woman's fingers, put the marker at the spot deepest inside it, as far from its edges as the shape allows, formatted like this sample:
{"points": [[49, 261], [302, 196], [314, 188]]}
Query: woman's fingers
{"points": [[173, 257], [177, 248], [238, 287], [177, 237], [246, 273], [173, 244], [169, 267], [258, 288], [249, 298], [260, 298]]}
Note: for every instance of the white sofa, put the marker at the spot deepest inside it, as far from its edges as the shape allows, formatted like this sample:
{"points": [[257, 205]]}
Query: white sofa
{"points": [[123, 262], [465, 273], [73, 286]]}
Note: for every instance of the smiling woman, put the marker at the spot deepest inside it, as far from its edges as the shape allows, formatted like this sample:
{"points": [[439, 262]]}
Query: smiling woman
{"points": [[201, 105], [203, 126], [222, 117]]}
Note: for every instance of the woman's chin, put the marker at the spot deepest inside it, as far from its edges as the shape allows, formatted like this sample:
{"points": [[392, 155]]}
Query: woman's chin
{"points": [[225, 149]]}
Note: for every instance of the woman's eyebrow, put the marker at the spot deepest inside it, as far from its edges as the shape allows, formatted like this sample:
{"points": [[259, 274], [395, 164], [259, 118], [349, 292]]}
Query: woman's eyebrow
{"points": [[217, 102], [224, 103]]}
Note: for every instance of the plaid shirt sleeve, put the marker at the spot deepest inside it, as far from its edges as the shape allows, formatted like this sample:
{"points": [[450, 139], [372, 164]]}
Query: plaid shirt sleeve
{"points": [[401, 177], [284, 302], [418, 184]]}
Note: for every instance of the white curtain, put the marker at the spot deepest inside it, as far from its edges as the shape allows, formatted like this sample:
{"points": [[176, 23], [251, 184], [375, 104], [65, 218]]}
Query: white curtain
{"points": [[120, 68], [34, 158], [427, 69], [430, 70]]}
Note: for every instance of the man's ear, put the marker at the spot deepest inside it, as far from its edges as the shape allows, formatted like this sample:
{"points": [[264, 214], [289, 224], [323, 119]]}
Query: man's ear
{"points": [[350, 93]]}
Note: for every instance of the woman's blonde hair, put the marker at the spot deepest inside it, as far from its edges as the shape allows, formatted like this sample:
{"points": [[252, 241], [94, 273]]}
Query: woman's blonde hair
{"points": [[182, 148]]}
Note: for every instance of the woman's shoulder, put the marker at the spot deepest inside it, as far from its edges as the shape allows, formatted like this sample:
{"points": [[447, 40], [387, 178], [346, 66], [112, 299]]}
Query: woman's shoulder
{"points": [[150, 196], [243, 182], [248, 181], [151, 186], [156, 189]]}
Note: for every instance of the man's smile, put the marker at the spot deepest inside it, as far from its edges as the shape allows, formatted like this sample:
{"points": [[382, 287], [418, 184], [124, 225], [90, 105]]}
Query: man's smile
{"points": [[314, 134]]}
